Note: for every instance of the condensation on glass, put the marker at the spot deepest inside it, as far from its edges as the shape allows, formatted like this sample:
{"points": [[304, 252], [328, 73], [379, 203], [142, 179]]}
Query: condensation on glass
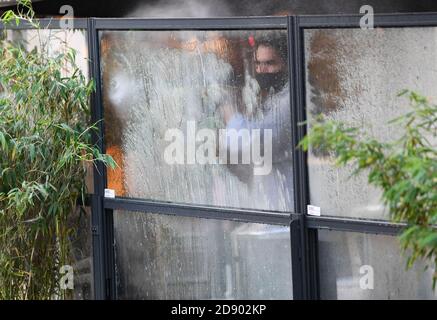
{"points": [[156, 81], [170, 257], [362, 266], [354, 76], [56, 41]]}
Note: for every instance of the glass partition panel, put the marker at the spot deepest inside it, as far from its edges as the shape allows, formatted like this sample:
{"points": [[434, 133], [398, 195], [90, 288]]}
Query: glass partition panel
{"points": [[354, 76], [199, 116], [169, 257], [363, 266]]}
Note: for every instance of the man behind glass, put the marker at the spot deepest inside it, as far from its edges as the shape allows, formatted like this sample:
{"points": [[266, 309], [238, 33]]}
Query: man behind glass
{"points": [[273, 112]]}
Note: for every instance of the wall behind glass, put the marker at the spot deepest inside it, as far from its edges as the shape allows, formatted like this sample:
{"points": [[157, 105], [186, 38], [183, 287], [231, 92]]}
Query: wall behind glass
{"points": [[169, 257], [354, 76], [158, 83], [54, 41]]}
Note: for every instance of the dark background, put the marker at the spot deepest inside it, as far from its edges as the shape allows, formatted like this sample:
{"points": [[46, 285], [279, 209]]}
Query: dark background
{"points": [[222, 8]]}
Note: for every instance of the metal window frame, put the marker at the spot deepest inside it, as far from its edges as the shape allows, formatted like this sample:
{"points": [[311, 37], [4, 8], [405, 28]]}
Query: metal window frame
{"points": [[303, 228], [105, 287], [346, 224], [46, 23], [305, 22]]}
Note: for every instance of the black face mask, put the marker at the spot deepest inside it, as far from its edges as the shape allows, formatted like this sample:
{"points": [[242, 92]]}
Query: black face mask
{"points": [[275, 80]]}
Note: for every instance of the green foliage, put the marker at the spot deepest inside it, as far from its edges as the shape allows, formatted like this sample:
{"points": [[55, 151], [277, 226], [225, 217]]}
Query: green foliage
{"points": [[45, 143], [24, 12], [404, 169]]}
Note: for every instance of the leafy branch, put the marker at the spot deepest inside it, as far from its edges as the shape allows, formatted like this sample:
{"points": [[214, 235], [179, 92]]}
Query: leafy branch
{"points": [[404, 169], [45, 144]]}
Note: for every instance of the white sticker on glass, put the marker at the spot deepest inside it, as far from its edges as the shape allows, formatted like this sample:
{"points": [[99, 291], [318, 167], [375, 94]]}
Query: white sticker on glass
{"points": [[109, 193], [313, 210]]}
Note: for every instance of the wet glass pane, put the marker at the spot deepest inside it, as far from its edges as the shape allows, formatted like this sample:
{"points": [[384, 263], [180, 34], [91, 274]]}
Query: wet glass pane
{"points": [[363, 266], [354, 76], [169, 257], [199, 117]]}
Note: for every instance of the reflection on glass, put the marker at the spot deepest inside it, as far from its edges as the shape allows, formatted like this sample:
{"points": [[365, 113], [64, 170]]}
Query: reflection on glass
{"points": [[351, 264], [165, 89], [354, 76], [167, 257]]}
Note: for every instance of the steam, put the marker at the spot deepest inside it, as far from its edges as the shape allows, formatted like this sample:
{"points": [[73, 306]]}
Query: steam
{"points": [[182, 9]]}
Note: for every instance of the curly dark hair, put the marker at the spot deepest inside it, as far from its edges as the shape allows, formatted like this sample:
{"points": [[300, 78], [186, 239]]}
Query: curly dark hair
{"points": [[276, 41]]}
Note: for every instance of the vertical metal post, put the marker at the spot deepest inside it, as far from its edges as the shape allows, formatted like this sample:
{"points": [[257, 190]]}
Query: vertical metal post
{"points": [[296, 258], [313, 264], [110, 257], [297, 223], [98, 224], [308, 238]]}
